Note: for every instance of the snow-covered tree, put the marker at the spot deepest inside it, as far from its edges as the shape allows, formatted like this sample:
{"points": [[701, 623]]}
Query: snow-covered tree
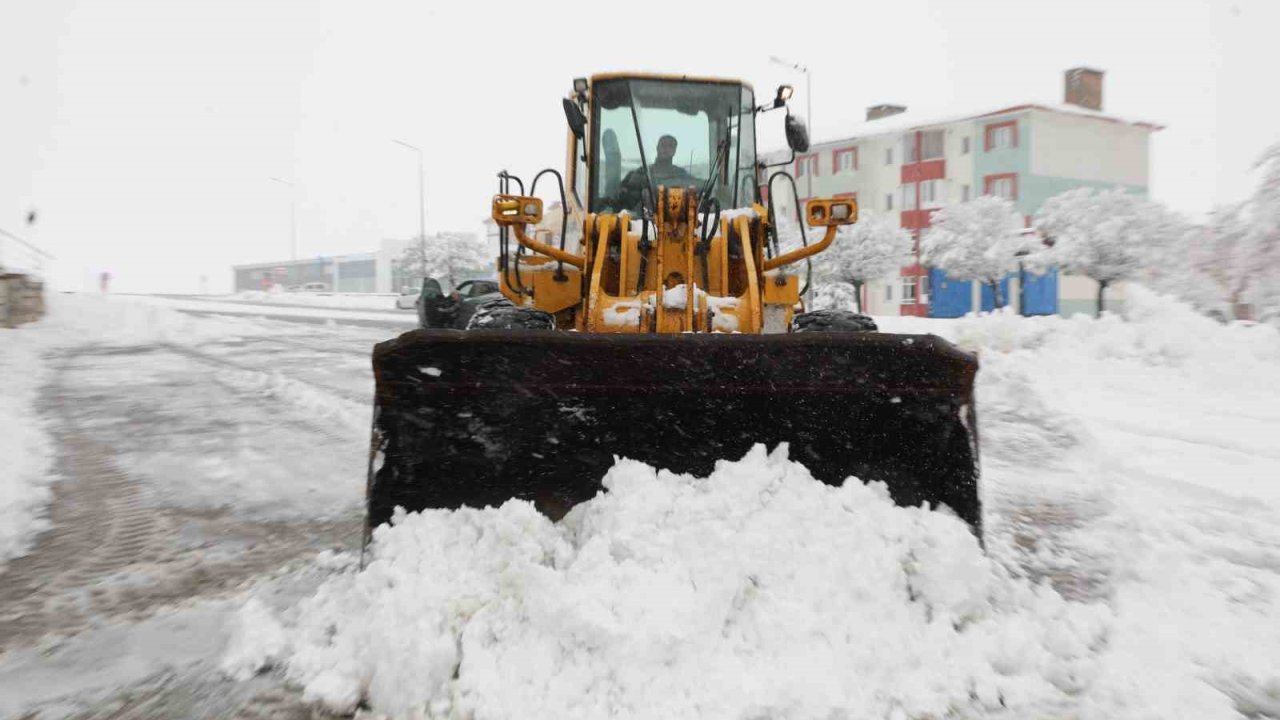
{"points": [[1106, 235], [833, 296], [1260, 256], [1216, 273], [871, 248], [446, 255], [979, 240]]}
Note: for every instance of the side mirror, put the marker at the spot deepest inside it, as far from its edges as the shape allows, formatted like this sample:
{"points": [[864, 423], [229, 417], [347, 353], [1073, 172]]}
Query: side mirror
{"points": [[797, 134], [577, 121]]}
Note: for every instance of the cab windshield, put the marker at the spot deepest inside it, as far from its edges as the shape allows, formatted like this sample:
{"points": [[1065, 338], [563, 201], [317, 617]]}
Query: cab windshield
{"points": [[650, 133]]}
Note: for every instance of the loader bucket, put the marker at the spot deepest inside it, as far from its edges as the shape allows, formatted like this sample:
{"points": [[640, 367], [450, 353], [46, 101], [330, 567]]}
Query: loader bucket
{"points": [[476, 418]]}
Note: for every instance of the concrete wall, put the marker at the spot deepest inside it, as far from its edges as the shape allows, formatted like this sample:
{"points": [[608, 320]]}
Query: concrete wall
{"points": [[21, 299], [1079, 294], [1080, 147]]}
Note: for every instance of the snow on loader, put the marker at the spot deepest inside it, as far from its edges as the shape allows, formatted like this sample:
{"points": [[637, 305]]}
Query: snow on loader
{"points": [[664, 325]]}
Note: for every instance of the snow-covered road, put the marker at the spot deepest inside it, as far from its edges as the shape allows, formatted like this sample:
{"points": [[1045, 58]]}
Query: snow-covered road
{"points": [[175, 459], [193, 458]]}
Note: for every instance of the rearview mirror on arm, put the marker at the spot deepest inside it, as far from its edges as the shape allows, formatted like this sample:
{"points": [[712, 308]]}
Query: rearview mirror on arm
{"points": [[797, 134], [577, 121]]}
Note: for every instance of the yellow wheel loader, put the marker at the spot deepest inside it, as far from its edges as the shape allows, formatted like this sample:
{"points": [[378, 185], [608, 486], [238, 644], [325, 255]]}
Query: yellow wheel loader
{"points": [[663, 324]]}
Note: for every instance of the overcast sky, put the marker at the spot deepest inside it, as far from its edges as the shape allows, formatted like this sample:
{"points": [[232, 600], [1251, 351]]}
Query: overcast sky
{"points": [[144, 133]]}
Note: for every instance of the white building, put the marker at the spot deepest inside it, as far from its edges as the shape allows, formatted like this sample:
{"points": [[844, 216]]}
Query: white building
{"points": [[911, 164]]}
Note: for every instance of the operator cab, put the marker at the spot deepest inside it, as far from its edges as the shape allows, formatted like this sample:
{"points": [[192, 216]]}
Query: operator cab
{"points": [[650, 132]]}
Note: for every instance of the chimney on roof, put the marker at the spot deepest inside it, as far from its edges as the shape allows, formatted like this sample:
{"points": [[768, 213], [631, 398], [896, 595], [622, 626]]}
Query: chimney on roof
{"points": [[1083, 86], [875, 112]]}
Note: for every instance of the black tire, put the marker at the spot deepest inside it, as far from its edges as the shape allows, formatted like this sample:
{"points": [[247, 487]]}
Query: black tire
{"points": [[503, 315], [833, 321]]}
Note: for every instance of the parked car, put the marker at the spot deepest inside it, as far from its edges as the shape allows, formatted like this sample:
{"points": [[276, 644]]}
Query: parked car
{"points": [[408, 299], [315, 287], [438, 309]]}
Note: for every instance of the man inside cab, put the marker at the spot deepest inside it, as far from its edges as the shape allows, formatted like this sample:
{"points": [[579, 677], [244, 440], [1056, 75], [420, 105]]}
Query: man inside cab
{"points": [[662, 171]]}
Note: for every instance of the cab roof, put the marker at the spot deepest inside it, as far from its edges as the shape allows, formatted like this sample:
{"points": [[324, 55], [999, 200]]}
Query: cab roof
{"points": [[661, 76]]}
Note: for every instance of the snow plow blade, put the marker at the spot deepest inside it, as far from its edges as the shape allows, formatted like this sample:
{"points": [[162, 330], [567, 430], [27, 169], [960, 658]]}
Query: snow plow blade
{"points": [[475, 418]]}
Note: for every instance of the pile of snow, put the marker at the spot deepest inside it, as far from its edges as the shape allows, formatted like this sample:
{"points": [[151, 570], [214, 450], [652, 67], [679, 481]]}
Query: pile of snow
{"points": [[1138, 452], [24, 444], [755, 592], [1154, 330]]}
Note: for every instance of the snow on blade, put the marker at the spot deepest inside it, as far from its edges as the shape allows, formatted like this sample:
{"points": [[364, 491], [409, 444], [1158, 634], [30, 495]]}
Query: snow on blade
{"points": [[755, 592]]}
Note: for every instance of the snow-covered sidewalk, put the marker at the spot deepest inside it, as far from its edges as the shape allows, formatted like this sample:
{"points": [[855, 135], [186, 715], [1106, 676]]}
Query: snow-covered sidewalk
{"points": [[390, 317], [1132, 486]]}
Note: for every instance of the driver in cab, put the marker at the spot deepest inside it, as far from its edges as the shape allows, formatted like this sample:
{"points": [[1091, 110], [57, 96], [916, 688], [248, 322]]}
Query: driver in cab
{"points": [[661, 172]]}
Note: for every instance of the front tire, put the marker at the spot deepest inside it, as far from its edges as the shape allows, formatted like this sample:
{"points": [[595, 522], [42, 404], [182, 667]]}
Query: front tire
{"points": [[504, 315], [842, 321]]}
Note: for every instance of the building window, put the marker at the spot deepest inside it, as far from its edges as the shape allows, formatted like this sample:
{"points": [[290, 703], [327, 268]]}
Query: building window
{"points": [[909, 290], [888, 292], [931, 144], [931, 193], [1000, 136], [845, 160], [1004, 186], [888, 201], [888, 156], [924, 288], [964, 193], [908, 148], [806, 165], [964, 145], [909, 196]]}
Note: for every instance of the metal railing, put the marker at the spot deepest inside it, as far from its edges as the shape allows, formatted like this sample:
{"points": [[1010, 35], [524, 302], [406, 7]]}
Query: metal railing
{"points": [[18, 255]]}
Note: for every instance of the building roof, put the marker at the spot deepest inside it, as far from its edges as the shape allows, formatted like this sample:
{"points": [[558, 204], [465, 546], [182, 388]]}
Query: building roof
{"points": [[923, 119], [308, 261]]}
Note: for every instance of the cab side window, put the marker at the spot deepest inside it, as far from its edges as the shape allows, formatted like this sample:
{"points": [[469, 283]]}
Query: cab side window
{"points": [[580, 172]]}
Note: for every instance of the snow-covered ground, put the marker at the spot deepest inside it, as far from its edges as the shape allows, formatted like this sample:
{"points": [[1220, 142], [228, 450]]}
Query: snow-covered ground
{"points": [[1131, 481], [24, 473], [1132, 487], [347, 301], [156, 461], [294, 306]]}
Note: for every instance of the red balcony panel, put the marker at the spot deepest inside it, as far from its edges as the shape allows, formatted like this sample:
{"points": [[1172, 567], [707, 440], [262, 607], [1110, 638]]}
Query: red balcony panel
{"points": [[916, 219], [927, 170]]}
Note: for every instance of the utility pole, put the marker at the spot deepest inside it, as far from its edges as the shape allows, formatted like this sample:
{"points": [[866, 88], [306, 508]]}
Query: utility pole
{"points": [[808, 99], [293, 218], [422, 201]]}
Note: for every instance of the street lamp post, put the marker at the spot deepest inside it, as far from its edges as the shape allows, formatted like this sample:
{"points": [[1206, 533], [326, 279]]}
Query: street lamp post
{"points": [[422, 202], [808, 99], [293, 218]]}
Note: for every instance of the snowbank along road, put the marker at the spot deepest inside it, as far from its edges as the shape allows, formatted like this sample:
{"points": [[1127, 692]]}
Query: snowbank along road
{"points": [[181, 519]]}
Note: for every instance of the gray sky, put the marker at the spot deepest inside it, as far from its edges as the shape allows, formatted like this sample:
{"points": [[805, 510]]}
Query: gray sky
{"points": [[144, 132]]}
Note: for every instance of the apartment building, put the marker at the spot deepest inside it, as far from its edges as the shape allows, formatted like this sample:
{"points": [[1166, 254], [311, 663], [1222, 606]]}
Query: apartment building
{"points": [[910, 165]]}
